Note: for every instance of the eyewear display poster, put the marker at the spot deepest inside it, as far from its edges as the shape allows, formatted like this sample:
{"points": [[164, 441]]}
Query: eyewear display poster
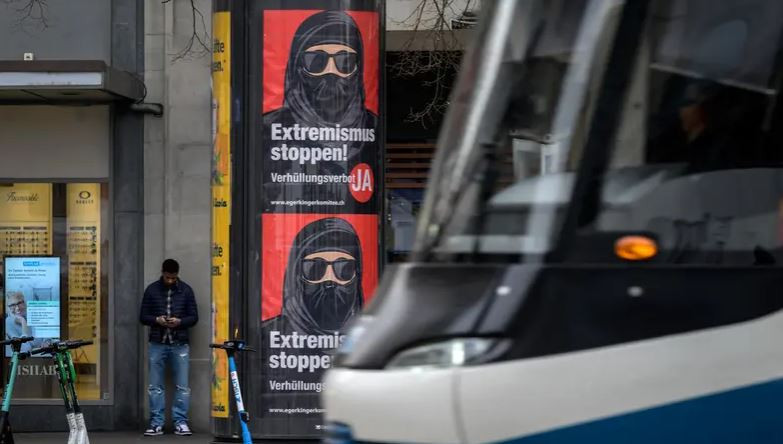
{"points": [[321, 202], [84, 258], [32, 299]]}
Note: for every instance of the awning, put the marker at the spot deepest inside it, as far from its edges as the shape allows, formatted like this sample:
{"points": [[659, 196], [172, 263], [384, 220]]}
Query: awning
{"points": [[66, 81]]}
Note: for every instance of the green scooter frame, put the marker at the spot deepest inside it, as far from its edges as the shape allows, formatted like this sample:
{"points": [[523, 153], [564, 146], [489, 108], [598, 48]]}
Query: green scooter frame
{"points": [[6, 435], [66, 376]]}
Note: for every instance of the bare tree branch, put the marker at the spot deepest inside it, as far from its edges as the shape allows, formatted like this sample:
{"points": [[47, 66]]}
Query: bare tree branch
{"points": [[31, 14], [197, 45], [433, 51]]}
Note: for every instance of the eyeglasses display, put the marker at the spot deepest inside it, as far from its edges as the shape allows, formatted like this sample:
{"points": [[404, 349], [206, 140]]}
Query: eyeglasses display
{"points": [[84, 265], [66, 221]]}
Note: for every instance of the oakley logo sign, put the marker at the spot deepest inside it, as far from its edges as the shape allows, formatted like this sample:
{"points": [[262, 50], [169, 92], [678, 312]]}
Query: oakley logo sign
{"points": [[85, 198]]}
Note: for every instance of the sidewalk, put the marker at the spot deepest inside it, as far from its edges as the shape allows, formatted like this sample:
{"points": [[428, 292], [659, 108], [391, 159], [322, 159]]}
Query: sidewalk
{"points": [[112, 438], [132, 438]]}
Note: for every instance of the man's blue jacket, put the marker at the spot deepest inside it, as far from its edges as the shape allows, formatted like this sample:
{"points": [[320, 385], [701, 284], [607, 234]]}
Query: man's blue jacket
{"points": [[183, 306]]}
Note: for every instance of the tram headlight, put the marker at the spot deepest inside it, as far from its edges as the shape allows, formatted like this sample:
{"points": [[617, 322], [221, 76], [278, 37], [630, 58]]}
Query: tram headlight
{"points": [[448, 353]]}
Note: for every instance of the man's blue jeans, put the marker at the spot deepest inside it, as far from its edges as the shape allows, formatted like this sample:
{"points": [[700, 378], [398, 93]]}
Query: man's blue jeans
{"points": [[161, 356]]}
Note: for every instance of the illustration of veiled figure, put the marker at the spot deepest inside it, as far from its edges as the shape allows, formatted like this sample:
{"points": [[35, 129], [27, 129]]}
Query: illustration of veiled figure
{"points": [[322, 288], [324, 79]]}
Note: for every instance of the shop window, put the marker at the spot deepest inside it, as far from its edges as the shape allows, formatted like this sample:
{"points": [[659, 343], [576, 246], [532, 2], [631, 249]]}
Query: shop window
{"points": [[54, 247], [403, 209]]}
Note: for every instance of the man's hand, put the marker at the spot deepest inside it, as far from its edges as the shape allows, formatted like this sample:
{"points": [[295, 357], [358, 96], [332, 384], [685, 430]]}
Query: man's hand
{"points": [[174, 322], [21, 321], [161, 320]]}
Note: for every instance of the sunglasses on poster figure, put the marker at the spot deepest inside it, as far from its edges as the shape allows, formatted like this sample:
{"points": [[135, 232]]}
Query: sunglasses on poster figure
{"points": [[315, 270], [317, 63]]}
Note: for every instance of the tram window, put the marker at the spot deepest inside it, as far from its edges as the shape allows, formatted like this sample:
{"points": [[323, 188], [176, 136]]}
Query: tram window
{"points": [[705, 124], [513, 200], [708, 182]]}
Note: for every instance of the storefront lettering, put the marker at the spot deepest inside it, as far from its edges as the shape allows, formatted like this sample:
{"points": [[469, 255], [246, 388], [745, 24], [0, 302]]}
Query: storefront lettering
{"points": [[36, 370], [14, 196]]}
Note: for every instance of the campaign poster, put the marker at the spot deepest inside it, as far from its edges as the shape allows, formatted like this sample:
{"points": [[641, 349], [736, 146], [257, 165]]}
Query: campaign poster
{"points": [[32, 299], [322, 199], [320, 111], [320, 270]]}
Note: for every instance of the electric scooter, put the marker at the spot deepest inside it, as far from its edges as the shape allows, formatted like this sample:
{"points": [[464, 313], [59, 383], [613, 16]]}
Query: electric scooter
{"points": [[6, 435], [231, 347], [66, 376]]}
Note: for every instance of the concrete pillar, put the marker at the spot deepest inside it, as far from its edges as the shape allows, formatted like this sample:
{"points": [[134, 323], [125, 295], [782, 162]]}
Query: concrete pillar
{"points": [[177, 152]]}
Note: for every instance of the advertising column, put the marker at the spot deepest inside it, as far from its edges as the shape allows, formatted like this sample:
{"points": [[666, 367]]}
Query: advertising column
{"points": [[221, 205], [321, 199]]}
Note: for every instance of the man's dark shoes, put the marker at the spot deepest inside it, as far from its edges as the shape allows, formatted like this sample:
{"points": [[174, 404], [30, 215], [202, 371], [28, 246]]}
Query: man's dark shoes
{"points": [[182, 429], [153, 431]]}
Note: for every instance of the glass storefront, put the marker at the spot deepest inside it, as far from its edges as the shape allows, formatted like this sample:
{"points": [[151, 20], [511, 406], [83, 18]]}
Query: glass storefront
{"points": [[402, 210], [54, 250]]}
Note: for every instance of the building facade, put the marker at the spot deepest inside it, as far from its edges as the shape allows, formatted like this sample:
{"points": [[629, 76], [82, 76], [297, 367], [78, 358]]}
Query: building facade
{"points": [[72, 173]]}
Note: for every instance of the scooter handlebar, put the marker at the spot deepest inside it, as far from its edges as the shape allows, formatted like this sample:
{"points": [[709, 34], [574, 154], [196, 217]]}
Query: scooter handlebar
{"points": [[61, 345], [233, 346], [20, 340], [41, 350], [77, 343]]}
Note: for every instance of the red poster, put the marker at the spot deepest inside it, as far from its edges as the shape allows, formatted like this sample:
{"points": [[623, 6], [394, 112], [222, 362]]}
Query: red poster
{"points": [[290, 240], [320, 111], [280, 27]]}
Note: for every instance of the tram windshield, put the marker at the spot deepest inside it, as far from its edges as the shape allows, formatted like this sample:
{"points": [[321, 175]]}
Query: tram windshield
{"points": [[663, 123]]}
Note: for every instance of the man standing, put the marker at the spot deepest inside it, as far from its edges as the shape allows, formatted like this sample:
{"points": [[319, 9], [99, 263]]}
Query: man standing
{"points": [[169, 309]]}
